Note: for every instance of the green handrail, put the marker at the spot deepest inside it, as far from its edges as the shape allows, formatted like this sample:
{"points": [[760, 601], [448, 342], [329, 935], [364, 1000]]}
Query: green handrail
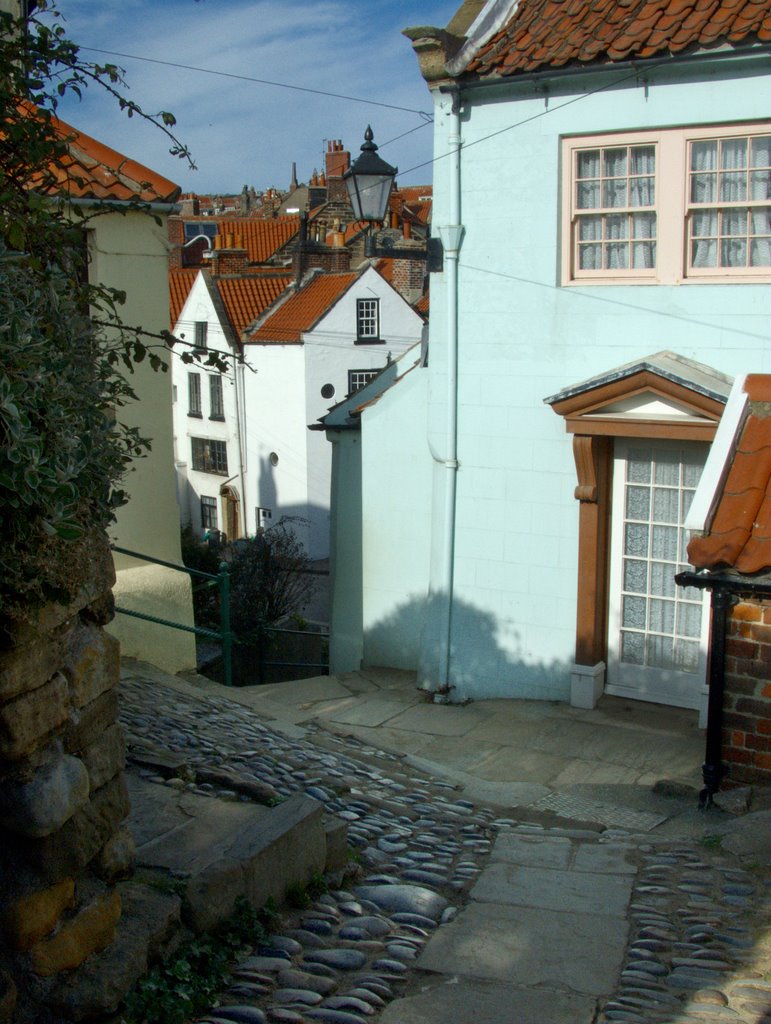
{"points": [[222, 579]]}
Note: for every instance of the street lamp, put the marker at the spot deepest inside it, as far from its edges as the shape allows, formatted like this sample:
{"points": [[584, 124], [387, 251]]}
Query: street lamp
{"points": [[369, 180]]}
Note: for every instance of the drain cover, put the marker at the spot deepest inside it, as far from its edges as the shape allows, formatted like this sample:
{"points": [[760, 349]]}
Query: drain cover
{"points": [[568, 806]]}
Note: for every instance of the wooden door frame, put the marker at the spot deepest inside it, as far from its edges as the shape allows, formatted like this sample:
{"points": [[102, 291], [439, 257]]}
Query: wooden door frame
{"points": [[593, 445]]}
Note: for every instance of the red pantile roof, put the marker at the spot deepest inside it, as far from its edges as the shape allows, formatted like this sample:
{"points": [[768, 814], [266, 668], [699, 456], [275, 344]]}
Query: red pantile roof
{"points": [[739, 537], [261, 238], [423, 305], [246, 298], [302, 310], [91, 170], [180, 283], [556, 33]]}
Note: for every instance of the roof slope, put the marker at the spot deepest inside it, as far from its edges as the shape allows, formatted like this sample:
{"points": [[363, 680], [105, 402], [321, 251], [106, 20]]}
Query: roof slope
{"points": [[91, 170], [246, 298], [180, 283], [556, 33], [287, 323], [739, 536], [260, 238]]}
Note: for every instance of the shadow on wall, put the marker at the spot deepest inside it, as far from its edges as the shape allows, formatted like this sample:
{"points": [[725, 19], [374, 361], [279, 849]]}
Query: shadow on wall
{"points": [[488, 657], [311, 521]]}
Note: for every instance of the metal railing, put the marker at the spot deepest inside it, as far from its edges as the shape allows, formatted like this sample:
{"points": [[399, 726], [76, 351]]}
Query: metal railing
{"points": [[255, 640], [222, 580]]}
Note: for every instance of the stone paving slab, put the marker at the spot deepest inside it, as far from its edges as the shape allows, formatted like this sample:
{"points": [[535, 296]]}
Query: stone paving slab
{"points": [[470, 1001], [529, 946], [369, 711], [576, 892], [535, 850], [570, 806], [440, 719]]}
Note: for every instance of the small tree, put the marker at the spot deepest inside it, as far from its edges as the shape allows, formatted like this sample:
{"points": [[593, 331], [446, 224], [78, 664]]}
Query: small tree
{"points": [[269, 577]]}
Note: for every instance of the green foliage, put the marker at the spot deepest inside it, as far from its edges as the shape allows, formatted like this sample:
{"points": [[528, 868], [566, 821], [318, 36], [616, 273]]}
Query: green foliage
{"points": [[296, 896], [269, 577], [63, 449], [187, 985]]}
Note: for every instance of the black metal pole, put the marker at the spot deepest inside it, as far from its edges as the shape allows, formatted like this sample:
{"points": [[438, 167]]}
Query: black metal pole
{"points": [[713, 768]]}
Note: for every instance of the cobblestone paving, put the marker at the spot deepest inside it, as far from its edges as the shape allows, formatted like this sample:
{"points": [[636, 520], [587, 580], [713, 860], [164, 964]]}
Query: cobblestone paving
{"points": [[698, 950]]}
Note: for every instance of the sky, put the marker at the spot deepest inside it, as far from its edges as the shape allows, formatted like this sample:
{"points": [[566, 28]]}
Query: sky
{"points": [[241, 132]]}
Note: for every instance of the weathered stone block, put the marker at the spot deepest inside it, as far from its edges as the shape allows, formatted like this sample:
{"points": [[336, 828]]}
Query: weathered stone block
{"points": [[27, 720], [117, 857], [91, 930], [106, 757], [92, 664], [148, 922], [82, 837], [29, 919], [87, 724], [8, 996], [336, 834], [28, 666], [101, 611], [40, 805]]}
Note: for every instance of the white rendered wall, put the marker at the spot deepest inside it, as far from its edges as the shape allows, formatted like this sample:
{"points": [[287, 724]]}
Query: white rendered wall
{"points": [[345, 553], [129, 252], [524, 336], [396, 503], [199, 308]]}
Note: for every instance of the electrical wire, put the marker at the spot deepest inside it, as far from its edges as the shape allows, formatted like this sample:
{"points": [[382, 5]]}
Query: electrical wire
{"points": [[260, 81]]}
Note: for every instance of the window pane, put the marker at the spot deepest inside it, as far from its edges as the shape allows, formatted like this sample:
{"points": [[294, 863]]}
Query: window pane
{"points": [[614, 162], [704, 253], [590, 229], [733, 153], [664, 542], [666, 505], [588, 164], [660, 651], [667, 470], [761, 151], [614, 193], [639, 468], [733, 252], [633, 648], [733, 187], [638, 503], [686, 655], [588, 195], [643, 159], [662, 579], [634, 612], [590, 257], [635, 575], [641, 192], [689, 619], [662, 616], [636, 540], [760, 185]]}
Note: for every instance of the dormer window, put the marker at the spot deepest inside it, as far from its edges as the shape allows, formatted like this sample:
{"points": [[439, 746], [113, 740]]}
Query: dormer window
{"points": [[367, 320]]}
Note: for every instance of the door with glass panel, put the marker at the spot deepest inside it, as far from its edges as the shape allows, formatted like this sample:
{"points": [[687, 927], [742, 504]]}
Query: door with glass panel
{"points": [[657, 631]]}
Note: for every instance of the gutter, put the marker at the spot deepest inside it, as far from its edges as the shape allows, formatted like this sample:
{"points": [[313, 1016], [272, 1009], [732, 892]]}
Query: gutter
{"points": [[122, 204], [641, 66]]}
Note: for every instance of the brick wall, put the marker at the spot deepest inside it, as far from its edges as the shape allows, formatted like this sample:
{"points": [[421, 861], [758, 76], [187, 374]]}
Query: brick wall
{"points": [[747, 703]]}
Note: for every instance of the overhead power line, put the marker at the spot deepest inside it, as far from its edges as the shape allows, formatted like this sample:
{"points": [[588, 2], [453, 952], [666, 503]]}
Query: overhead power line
{"points": [[258, 81]]}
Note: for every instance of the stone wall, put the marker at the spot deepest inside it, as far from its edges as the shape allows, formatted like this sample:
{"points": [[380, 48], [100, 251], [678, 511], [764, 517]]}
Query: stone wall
{"points": [[63, 797], [747, 703]]}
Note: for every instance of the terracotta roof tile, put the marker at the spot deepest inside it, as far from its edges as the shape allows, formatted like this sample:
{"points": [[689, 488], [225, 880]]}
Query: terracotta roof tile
{"points": [[543, 33], [261, 238], [92, 170], [739, 536], [246, 298], [180, 283], [302, 310]]}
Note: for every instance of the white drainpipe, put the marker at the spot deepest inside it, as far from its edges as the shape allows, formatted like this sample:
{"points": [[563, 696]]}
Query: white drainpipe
{"points": [[451, 236]]}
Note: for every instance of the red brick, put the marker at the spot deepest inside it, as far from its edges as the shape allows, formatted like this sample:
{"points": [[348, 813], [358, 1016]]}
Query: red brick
{"points": [[737, 755], [747, 612], [767, 614], [736, 721], [764, 726], [737, 739], [758, 743], [762, 761], [746, 687], [758, 631], [760, 708], [741, 648], [766, 691]]}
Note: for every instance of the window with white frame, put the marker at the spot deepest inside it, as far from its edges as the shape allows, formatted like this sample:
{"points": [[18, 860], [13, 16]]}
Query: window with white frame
{"points": [[668, 206], [368, 320], [358, 378], [209, 456], [209, 519], [216, 405], [194, 394]]}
